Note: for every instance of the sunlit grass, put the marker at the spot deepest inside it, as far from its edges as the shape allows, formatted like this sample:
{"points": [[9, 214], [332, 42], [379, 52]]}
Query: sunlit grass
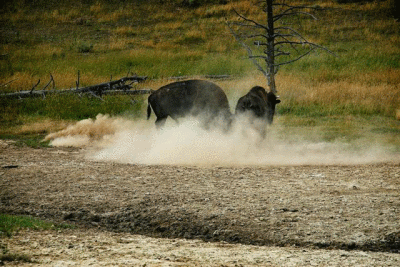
{"points": [[340, 97]]}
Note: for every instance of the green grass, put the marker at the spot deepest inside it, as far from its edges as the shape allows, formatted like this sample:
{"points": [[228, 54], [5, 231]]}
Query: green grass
{"points": [[9, 224], [34, 140], [357, 131], [71, 107]]}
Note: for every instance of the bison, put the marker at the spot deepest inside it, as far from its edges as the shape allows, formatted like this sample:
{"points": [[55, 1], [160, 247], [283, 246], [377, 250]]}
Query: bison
{"points": [[199, 98], [260, 105]]}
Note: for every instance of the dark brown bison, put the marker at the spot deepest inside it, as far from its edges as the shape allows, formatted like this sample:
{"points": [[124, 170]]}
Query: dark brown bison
{"points": [[260, 105], [202, 99]]}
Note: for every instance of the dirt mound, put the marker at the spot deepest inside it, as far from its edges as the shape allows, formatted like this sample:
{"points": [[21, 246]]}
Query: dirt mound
{"points": [[335, 206]]}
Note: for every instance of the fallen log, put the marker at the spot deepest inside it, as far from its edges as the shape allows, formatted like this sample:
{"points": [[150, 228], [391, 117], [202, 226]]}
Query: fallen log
{"points": [[43, 93], [128, 92], [214, 77], [119, 86]]}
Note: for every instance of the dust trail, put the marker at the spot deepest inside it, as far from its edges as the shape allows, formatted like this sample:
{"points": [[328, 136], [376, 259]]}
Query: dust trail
{"points": [[121, 140], [89, 132]]}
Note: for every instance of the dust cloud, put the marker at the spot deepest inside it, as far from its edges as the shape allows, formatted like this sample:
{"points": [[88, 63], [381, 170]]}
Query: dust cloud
{"points": [[139, 142]]}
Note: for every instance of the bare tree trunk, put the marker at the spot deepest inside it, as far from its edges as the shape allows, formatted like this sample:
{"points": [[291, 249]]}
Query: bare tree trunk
{"points": [[275, 45], [271, 48]]}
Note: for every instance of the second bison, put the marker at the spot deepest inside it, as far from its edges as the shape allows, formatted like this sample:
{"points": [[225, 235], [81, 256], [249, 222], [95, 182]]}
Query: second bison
{"points": [[260, 106]]}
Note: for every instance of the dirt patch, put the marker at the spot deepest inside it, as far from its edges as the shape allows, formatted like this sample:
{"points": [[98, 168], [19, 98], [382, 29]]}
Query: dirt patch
{"points": [[101, 248], [353, 207]]}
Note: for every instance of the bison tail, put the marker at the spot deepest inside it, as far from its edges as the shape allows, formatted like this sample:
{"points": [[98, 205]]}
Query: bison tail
{"points": [[148, 111]]}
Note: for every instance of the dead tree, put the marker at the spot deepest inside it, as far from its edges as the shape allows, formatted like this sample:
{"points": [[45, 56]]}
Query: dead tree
{"points": [[120, 86], [275, 42]]}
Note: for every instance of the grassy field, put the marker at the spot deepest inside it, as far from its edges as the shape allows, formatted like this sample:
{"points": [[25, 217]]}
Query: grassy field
{"points": [[9, 224], [343, 95]]}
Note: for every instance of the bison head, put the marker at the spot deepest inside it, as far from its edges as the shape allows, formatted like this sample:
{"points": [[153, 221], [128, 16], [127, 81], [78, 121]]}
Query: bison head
{"points": [[272, 100]]}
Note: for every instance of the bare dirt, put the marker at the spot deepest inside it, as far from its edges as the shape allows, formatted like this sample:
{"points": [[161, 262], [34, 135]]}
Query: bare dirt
{"points": [[183, 215]]}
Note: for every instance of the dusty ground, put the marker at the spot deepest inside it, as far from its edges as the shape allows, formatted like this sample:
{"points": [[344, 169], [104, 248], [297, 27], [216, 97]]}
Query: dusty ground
{"points": [[270, 215]]}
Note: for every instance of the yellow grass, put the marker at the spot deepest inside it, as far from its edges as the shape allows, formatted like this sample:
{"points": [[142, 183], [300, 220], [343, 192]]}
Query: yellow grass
{"points": [[169, 26], [117, 43], [40, 127], [22, 80], [371, 97], [97, 7]]}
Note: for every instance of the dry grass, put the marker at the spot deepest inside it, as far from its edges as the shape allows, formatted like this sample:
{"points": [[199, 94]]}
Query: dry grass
{"points": [[369, 96], [42, 126]]}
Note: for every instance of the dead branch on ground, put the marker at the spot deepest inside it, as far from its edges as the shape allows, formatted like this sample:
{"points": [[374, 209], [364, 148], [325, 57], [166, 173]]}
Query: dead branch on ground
{"points": [[120, 86]]}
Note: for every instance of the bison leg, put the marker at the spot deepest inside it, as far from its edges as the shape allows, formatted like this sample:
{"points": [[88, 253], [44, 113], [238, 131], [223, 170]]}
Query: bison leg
{"points": [[160, 122]]}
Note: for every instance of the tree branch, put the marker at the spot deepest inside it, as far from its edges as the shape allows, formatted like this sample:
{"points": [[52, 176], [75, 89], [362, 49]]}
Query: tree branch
{"points": [[6, 83], [33, 88], [301, 56], [294, 33], [250, 20], [280, 16], [249, 51], [272, 42], [51, 79]]}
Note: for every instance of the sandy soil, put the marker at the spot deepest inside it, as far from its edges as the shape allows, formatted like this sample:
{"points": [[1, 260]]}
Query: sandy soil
{"points": [[100, 248], [163, 215]]}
